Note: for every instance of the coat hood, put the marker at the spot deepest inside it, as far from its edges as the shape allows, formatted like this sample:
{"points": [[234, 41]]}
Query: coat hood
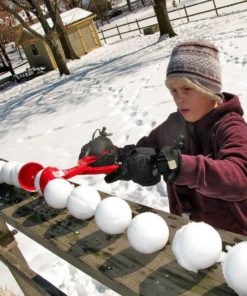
{"points": [[231, 104]]}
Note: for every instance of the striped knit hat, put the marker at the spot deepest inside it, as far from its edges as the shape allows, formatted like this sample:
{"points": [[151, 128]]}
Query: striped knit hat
{"points": [[197, 63]]}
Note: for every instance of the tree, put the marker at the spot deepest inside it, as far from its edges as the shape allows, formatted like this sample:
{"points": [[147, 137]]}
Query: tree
{"points": [[51, 36], [100, 7], [129, 5], [54, 13], [69, 4], [161, 12], [8, 34]]}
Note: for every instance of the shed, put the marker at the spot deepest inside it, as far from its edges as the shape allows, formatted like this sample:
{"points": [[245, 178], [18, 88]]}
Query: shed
{"points": [[81, 32]]}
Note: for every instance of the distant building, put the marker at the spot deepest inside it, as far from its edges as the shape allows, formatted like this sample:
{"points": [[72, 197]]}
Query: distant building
{"points": [[81, 32]]}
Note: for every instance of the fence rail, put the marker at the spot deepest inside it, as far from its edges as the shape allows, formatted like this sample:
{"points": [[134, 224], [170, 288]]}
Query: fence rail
{"points": [[178, 15]]}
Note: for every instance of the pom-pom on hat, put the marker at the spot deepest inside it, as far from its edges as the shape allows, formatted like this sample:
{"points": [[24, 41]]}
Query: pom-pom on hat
{"points": [[197, 63]]}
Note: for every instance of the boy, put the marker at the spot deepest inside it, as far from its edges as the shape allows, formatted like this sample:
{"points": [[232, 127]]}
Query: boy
{"points": [[206, 169]]}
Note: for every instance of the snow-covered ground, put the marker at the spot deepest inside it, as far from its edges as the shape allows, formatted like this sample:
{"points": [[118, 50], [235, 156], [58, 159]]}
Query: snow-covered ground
{"points": [[128, 24], [120, 86]]}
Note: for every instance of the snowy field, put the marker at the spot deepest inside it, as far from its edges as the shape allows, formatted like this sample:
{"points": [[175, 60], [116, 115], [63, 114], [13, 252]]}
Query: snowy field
{"points": [[192, 10], [120, 86]]}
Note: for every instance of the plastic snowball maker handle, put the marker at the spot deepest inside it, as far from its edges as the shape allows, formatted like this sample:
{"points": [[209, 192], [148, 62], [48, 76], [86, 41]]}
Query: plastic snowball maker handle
{"points": [[28, 172]]}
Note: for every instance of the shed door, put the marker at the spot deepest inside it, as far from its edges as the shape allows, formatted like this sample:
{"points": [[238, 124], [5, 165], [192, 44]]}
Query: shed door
{"points": [[88, 37], [75, 41]]}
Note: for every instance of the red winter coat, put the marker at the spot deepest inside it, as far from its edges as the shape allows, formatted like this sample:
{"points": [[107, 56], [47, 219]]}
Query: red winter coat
{"points": [[212, 186]]}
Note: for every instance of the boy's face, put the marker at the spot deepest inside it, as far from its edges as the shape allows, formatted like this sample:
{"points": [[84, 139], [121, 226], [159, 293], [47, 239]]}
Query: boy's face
{"points": [[191, 103]]}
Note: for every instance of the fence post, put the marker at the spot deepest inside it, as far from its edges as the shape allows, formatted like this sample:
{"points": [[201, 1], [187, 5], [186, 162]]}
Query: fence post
{"points": [[215, 8], [119, 32], [187, 16], [102, 32], [127, 23], [138, 26]]}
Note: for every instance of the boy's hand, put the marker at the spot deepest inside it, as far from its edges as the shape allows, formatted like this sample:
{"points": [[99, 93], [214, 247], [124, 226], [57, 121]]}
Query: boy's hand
{"points": [[169, 161], [139, 166]]}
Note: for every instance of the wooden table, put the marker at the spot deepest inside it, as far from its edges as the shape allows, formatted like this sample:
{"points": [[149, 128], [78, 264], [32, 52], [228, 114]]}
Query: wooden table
{"points": [[110, 259]]}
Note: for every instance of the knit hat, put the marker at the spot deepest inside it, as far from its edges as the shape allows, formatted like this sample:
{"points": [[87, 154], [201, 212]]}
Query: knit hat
{"points": [[197, 63]]}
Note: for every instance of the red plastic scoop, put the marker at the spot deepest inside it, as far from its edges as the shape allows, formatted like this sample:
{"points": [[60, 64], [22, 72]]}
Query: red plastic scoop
{"points": [[28, 172]]}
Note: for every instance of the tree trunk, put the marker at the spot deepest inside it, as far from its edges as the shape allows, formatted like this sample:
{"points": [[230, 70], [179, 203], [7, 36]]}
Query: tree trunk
{"points": [[67, 47], [163, 19], [98, 12], [53, 42], [30, 19], [129, 5], [9, 64], [63, 36], [106, 13]]}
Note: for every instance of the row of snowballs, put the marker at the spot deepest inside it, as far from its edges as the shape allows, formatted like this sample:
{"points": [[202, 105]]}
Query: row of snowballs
{"points": [[195, 246], [9, 172]]}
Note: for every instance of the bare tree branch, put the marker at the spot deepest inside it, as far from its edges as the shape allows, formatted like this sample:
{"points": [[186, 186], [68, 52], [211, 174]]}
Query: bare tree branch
{"points": [[20, 19]]}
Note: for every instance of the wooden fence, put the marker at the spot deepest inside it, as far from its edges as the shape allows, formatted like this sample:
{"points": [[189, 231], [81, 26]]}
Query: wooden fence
{"points": [[178, 15]]}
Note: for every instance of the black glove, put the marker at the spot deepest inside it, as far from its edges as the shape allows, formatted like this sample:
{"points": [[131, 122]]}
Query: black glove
{"points": [[169, 161], [139, 166], [100, 146]]}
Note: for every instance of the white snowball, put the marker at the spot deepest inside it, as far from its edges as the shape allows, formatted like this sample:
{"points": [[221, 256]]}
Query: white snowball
{"points": [[197, 245], [83, 201], [14, 174], [36, 181], [6, 171], [57, 192], [148, 233], [1, 165], [235, 268], [113, 215]]}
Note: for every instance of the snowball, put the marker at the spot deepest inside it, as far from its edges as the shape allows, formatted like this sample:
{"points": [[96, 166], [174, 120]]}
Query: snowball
{"points": [[1, 165], [113, 215], [14, 174], [57, 192], [148, 233], [36, 181], [83, 201], [235, 268], [6, 171], [196, 245]]}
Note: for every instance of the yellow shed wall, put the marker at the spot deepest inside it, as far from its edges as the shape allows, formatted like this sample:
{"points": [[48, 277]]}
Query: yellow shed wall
{"points": [[82, 35]]}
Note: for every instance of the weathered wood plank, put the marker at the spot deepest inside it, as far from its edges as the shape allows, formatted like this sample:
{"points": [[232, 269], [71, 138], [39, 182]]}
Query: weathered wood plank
{"points": [[110, 259], [32, 283]]}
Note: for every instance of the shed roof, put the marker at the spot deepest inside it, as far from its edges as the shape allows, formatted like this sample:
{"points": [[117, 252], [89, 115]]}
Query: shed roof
{"points": [[68, 17]]}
